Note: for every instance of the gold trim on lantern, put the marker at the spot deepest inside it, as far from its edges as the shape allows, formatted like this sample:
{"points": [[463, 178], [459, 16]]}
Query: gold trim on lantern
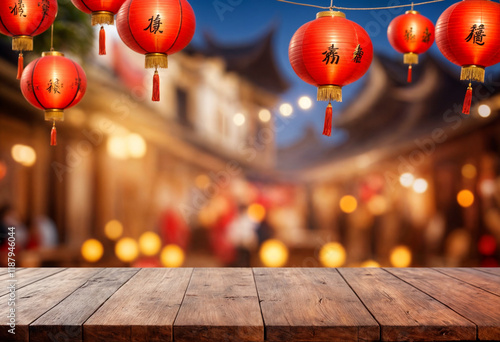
{"points": [[330, 93], [412, 12], [156, 60], [472, 73], [52, 53], [22, 43], [54, 115], [410, 58], [103, 18], [330, 14]]}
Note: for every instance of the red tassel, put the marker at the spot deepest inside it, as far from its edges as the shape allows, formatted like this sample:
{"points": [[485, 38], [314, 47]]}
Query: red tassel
{"points": [[102, 41], [156, 87], [327, 130], [468, 100], [20, 66], [53, 135], [410, 68]]}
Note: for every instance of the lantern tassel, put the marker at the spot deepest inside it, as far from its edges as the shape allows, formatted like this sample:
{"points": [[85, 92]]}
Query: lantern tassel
{"points": [[53, 135], [410, 68], [327, 130], [102, 41], [20, 66], [468, 100], [156, 87]]}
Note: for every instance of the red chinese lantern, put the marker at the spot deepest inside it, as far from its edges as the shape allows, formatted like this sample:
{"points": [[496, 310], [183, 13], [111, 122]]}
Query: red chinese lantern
{"points": [[103, 13], [468, 34], [53, 83], [24, 19], [156, 28], [329, 53], [411, 34]]}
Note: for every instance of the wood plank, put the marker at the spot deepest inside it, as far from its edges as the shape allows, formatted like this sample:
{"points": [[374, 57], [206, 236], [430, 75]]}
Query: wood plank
{"points": [[483, 280], [37, 298], [29, 276], [303, 304], [477, 305], [144, 309], [5, 270], [65, 320], [491, 270], [403, 312], [220, 305]]}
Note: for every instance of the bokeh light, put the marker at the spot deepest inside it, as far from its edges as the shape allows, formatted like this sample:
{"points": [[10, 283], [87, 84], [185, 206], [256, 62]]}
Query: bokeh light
{"points": [[370, 263], [348, 204], [256, 212], [487, 187], [305, 102], [469, 171], [172, 256], [92, 250], [406, 179], [239, 119], [484, 111], [273, 253], [465, 198], [377, 205], [264, 115], [117, 147], [126, 249], [136, 145], [202, 181], [286, 109], [24, 155], [420, 185], [332, 254], [113, 230], [149, 243], [487, 245], [401, 256]]}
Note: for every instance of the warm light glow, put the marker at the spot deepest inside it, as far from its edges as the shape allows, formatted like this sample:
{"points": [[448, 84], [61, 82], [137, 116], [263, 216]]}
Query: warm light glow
{"points": [[377, 205], [487, 187], [117, 147], [370, 263], [406, 179], [172, 256], [24, 155], [348, 204], [286, 109], [305, 102], [465, 198], [264, 115], [3, 170], [420, 186], [273, 253], [113, 230], [469, 171], [136, 145], [126, 249], [332, 254], [257, 212], [484, 111], [487, 245], [401, 257], [239, 119], [149, 243], [202, 181], [92, 250]]}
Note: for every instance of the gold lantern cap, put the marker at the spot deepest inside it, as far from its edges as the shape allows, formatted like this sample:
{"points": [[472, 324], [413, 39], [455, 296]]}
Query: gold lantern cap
{"points": [[330, 14]]}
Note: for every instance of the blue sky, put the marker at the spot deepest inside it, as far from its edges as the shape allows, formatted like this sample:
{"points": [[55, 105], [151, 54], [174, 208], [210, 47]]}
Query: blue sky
{"points": [[236, 21]]}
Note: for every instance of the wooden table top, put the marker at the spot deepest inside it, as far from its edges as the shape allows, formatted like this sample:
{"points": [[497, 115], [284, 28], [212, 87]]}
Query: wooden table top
{"points": [[252, 304]]}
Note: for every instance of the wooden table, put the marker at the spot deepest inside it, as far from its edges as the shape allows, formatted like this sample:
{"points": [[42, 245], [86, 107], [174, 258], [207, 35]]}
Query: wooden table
{"points": [[259, 304]]}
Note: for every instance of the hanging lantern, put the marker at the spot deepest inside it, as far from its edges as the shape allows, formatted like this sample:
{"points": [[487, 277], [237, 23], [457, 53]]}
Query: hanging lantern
{"points": [[468, 34], [411, 34], [156, 28], [53, 83], [329, 53], [24, 19], [103, 13]]}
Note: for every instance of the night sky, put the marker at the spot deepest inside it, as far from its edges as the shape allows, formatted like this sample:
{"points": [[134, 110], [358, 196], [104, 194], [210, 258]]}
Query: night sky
{"points": [[241, 21]]}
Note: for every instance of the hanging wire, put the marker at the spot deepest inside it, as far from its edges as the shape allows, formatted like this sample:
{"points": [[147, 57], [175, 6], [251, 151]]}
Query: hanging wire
{"points": [[332, 6], [52, 38]]}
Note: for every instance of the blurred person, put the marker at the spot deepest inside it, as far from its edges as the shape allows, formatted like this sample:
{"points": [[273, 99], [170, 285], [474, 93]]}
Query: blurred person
{"points": [[174, 229], [43, 233], [242, 232]]}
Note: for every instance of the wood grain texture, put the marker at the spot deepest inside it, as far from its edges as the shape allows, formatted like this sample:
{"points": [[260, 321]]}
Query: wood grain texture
{"points": [[65, 320], [311, 305], [483, 280], [28, 276], [403, 312], [491, 270], [477, 305], [144, 309], [220, 305], [35, 299], [5, 270]]}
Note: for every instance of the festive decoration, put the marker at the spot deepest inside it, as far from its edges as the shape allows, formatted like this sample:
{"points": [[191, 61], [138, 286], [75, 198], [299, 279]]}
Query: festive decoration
{"points": [[330, 52], [24, 19], [103, 13], [411, 34], [468, 34], [156, 28], [53, 83]]}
